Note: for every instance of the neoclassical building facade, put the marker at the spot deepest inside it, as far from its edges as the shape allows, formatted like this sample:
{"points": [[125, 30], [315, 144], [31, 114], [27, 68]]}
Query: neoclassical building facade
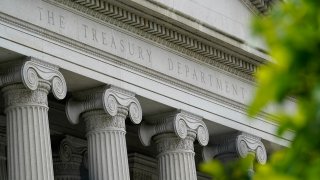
{"points": [[129, 89]]}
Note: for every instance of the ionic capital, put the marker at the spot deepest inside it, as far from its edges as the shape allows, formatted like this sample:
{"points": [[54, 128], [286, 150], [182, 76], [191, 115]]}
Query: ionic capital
{"points": [[108, 98], [180, 123], [71, 146], [31, 71], [69, 154], [239, 143]]}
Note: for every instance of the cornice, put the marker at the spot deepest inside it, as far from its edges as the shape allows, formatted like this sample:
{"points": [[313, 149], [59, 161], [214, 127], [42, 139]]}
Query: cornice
{"points": [[259, 6], [251, 7], [126, 64], [72, 6], [157, 31]]}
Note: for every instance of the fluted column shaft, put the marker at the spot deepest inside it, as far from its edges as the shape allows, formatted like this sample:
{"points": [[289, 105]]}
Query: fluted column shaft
{"points": [[28, 136], [104, 110], [107, 149], [25, 85], [176, 157], [174, 134]]}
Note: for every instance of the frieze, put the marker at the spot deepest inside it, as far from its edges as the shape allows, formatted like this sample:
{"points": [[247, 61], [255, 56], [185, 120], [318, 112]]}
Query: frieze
{"points": [[58, 31], [218, 83], [151, 29]]}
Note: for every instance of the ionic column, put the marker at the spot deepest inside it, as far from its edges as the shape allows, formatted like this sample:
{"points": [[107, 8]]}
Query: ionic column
{"points": [[174, 135], [25, 87], [104, 111], [3, 143], [230, 147], [69, 158]]}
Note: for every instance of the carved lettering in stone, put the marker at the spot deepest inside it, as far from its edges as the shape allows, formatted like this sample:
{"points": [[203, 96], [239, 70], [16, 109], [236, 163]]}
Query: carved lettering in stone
{"points": [[129, 47], [208, 79]]}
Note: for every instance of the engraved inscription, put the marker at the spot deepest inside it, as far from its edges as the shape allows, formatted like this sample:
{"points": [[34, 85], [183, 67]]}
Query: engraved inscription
{"points": [[207, 79], [129, 47], [111, 41], [51, 17]]}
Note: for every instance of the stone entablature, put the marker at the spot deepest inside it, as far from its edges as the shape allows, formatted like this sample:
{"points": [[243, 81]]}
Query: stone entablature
{"points": [[176, 38], [100, 38]]}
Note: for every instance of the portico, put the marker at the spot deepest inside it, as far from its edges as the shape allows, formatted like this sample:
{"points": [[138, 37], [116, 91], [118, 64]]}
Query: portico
{"points": [[97, 90]]}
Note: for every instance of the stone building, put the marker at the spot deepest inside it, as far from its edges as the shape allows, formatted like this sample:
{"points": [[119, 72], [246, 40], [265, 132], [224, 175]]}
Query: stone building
{"points": [[128, 89]]}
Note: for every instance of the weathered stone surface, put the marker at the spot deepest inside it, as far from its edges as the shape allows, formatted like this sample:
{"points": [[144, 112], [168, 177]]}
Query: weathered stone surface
{"points": [[104, 111], [25, 87], [174, 135]]}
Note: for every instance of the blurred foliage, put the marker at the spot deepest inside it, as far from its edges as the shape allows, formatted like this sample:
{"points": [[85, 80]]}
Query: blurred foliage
{"points": [[292, 33], [231, 170]]}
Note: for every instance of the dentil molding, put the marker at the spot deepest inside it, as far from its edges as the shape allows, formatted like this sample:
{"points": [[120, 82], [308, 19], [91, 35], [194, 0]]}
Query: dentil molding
{"points": [[259, 6], [156, 30]]}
